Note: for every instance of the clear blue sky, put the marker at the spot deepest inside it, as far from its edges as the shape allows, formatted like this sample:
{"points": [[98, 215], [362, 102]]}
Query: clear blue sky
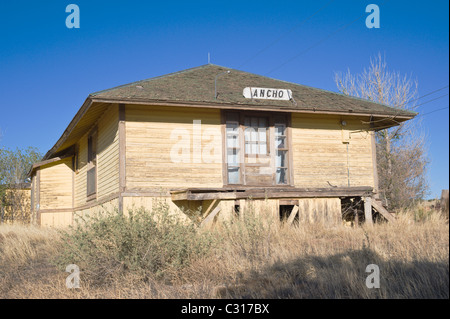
{"points": [[48, 70]]}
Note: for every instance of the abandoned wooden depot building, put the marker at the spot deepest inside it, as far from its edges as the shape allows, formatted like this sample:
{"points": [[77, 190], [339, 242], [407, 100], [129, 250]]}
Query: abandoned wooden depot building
{"points": [[217, 140]]}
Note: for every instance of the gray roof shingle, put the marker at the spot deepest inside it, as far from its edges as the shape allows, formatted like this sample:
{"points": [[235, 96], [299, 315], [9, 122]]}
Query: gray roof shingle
{"points": [[196, 85]]}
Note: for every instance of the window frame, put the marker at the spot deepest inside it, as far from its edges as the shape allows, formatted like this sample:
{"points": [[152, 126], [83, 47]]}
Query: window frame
{"points": [[257, 142], [92, 159], [273, 119]]}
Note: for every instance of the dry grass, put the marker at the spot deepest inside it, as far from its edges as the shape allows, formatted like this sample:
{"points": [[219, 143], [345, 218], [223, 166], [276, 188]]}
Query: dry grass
{"points": [[253, 259]]}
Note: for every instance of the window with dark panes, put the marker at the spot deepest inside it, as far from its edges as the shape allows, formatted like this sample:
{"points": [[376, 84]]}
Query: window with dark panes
{"points": [[92, 164]]}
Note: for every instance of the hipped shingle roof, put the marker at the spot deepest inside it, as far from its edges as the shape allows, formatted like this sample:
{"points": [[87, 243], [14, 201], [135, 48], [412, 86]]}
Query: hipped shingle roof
{"points": [[197, 85]]}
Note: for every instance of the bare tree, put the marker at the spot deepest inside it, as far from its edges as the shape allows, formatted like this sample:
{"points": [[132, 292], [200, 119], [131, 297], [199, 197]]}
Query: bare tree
{"points": [[401, 150]]}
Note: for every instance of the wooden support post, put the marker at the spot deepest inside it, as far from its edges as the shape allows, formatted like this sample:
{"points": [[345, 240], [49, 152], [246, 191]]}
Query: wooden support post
{"points": [[210, 217], [33, 185], [208, 210], [122, 156], [379, 208], [356, 222], [38, 197], [241, 208], [292, 215], [368, 210], [375, 165]]}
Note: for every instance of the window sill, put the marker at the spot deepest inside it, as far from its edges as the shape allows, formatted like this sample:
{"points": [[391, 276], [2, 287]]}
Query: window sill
{"points": [[91, 197]]}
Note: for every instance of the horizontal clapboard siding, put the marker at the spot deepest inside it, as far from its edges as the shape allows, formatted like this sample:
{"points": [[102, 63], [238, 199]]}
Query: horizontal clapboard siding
{"points": [[320, 156], [107, 158], [56, 185], [151, 135], [108, 153], [81, 174]]}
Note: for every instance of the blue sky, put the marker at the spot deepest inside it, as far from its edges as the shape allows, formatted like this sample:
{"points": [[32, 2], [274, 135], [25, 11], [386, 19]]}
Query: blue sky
{"points": [[48, 70]]}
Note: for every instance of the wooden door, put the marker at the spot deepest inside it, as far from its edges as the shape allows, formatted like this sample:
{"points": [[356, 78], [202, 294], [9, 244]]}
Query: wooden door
{"points": [[257, 151]]}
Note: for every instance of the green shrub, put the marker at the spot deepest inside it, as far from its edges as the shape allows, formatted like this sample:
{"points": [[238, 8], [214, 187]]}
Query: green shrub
{"points": [[146, 242]]}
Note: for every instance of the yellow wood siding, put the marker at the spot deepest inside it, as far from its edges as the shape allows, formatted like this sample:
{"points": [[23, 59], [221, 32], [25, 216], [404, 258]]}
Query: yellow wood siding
{"points": [[107, 159], [150, 132], [56, 219], [320, 210], [108, 153], [108, 206], [320, 156], [81, 173], [149, 203], [56, 185]]}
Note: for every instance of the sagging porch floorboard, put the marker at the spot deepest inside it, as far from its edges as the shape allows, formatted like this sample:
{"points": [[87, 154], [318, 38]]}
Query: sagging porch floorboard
{"points": [[199, 194]]}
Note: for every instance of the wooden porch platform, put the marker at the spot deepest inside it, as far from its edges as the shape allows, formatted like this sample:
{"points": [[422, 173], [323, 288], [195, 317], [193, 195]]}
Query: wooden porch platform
{"points": [[198, 194]]}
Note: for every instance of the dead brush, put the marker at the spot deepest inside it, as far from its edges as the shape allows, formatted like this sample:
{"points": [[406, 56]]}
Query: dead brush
{"points": [[246, 258]]}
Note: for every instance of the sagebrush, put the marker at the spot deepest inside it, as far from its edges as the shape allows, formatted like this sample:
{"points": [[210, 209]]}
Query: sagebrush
{"points": [[146, 242], [153, 254]]}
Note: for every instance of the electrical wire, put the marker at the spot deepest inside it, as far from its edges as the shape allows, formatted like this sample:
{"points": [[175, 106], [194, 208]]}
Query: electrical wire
{"points": [[398, 112]]}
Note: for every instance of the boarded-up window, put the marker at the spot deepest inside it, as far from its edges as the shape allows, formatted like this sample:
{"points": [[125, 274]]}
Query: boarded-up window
{"points": [[92, 164]]}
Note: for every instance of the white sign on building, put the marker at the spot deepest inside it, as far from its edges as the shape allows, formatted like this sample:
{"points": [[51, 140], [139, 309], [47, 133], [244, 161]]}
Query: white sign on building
{"points": [[267, 93]]}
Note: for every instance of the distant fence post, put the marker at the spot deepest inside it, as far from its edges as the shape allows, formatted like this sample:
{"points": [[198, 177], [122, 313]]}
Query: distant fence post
{"points": [[444, 202]]}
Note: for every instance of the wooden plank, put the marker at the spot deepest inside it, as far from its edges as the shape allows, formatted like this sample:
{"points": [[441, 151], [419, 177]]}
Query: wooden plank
{"points": [[156, 193], [355, 211], [375, 165], [319, 158], [73, 180], [368, 210], [224, 147], [292, 215], [122, 148], [379, 208], [148, 156], [240, 107], [57, 210], [277, 188], [179, 196], [261, 193], [108, 155], [288, 202], [290, 152], [210, 217], [50, 161], [32, 193], [208, 210], [97, 202], [209, 196], [38, 196], [241, 140], [120, 204]]}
